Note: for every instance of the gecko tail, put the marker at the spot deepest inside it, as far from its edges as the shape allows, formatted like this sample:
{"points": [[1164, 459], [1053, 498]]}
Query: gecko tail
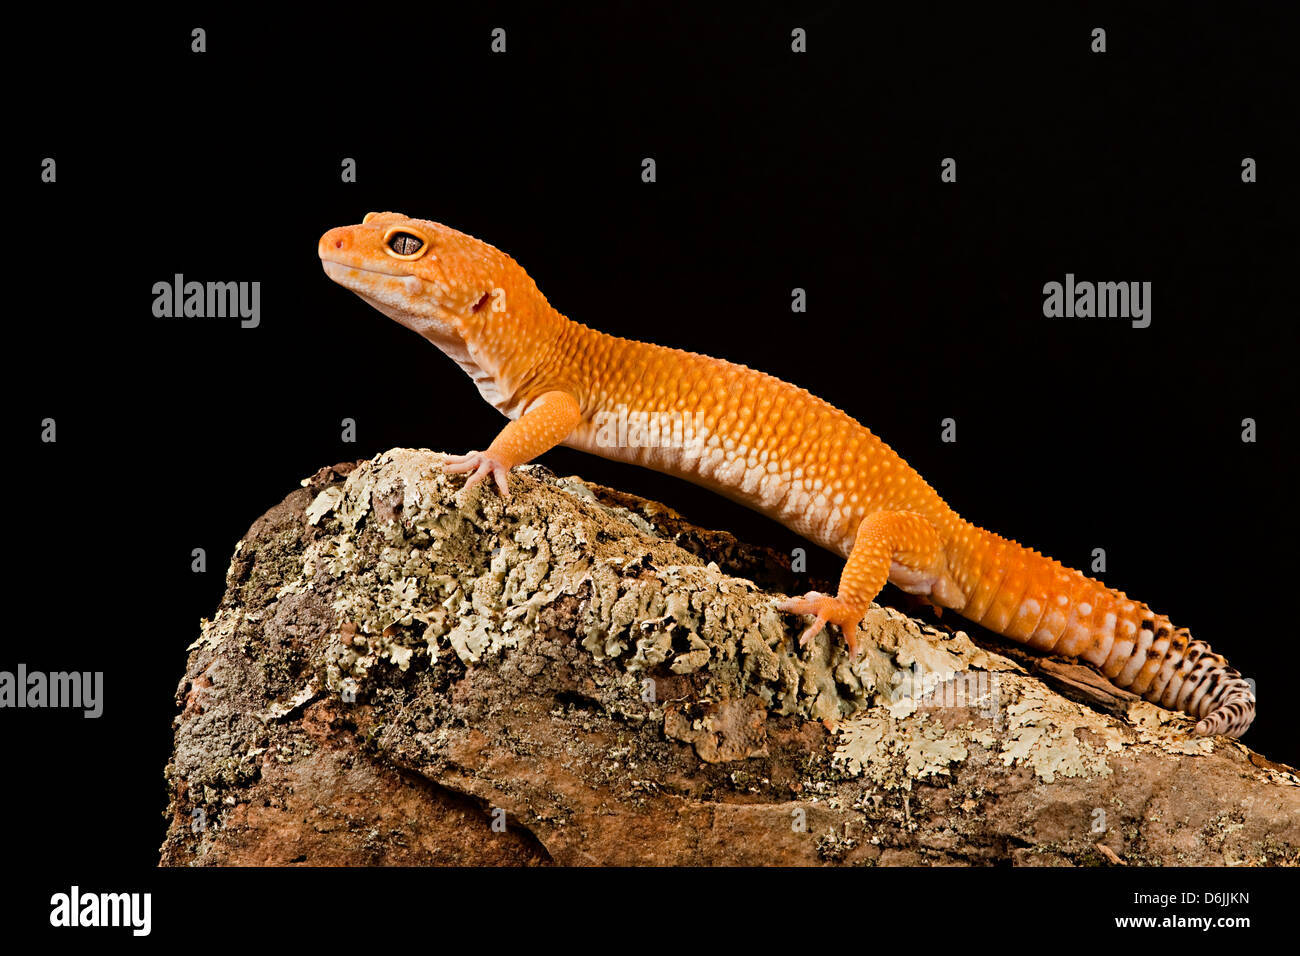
{"points": [[1219, 695], [1028, 597]]}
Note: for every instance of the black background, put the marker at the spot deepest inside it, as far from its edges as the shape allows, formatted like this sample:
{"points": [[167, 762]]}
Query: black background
{"points": [[775, 170]]}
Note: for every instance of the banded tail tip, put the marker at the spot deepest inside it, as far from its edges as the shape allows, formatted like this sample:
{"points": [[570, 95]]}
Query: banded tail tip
{"points": [[1209, 689], [1232, 717]]}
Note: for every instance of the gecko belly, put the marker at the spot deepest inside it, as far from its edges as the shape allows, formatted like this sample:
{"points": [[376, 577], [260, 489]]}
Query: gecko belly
{"points": [[753, 478]]}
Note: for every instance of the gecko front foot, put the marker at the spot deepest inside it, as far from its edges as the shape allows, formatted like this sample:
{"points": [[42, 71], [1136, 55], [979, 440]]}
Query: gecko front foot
{"points": [[481, 464], [825, 609]]}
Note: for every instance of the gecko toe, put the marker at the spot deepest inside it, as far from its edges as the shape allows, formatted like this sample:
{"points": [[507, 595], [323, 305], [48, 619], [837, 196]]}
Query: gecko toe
{"points": [[800, 605], [825, 609], [812, 631], [459, 464], [482, 465]]}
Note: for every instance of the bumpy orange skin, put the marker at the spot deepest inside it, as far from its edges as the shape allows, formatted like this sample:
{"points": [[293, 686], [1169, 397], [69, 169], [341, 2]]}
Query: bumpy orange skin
{"points": [[765, 443]]}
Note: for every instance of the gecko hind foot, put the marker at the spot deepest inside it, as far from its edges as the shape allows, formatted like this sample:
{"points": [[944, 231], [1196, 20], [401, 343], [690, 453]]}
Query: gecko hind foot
{"points": [[825, 609]]}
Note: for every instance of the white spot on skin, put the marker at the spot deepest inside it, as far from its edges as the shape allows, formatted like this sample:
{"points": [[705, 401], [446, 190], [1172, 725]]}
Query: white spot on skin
{"points": [[1031, 607], [1085, 609], [1061, 600], [1075, 639], [1043, 638]]}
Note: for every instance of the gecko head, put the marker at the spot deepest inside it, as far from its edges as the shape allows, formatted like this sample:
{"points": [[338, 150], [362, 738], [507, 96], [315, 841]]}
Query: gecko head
{"points": [[434, 280]]}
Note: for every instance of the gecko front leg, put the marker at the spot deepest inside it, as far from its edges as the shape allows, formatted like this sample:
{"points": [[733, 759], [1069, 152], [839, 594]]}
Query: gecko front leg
{"points": [[547, 422]]}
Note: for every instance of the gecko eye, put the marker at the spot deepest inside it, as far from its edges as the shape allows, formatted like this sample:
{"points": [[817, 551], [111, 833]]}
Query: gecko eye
{"points": [[403, 243]]}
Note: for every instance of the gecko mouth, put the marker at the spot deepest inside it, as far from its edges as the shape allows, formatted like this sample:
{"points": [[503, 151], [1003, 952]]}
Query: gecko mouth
{"points": [[335, 268], [411, 307]]}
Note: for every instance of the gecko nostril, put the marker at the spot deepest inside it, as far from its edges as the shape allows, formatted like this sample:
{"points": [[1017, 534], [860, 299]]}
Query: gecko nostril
{"points": [[338, 243]]}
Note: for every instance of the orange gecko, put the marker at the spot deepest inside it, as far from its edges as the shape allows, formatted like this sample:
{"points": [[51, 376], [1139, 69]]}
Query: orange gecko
{"points": [[767, 444]]}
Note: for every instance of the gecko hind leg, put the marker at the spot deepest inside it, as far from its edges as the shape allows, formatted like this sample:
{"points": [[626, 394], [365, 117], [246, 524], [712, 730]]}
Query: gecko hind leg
{"points": [[883, 538]]}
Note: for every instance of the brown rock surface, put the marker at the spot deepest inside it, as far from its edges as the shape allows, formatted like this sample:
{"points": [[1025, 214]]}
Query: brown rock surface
{"points": [[400, 673]]}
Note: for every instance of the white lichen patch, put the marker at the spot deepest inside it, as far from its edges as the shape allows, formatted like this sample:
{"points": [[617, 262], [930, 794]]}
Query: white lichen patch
{"points": [[214, 632], [284, 707], [893, 753], [1042, 733], [1167, 729], [932, 750], [324, 503], [900, 742], [864, 747]]}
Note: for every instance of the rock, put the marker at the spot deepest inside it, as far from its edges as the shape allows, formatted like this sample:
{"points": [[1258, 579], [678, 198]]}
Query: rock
{"points": [[401, 672]]}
